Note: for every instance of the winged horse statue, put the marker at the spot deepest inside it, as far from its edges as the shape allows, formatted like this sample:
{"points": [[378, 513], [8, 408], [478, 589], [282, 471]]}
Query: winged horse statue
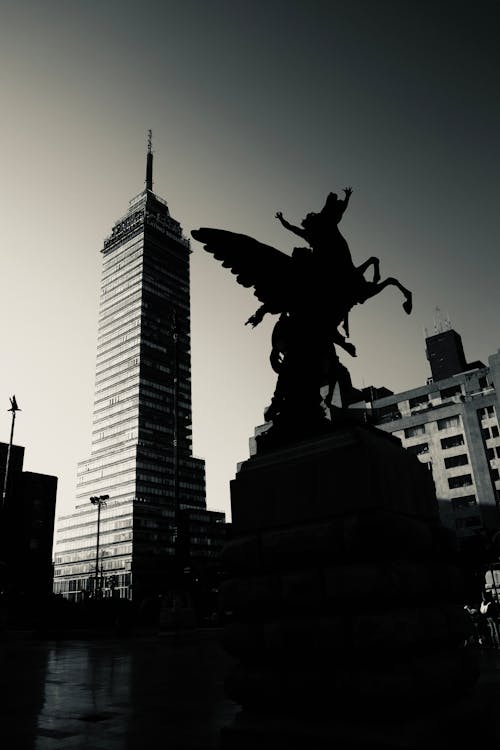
{"points": [[312, 291]]}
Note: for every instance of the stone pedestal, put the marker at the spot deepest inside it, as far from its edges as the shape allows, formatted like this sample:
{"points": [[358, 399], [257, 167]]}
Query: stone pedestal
{"points": [[348, 621]]}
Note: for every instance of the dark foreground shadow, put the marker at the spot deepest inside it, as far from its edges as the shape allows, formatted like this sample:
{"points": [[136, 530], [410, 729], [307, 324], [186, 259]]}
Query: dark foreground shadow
{"points": [[114, 694]]}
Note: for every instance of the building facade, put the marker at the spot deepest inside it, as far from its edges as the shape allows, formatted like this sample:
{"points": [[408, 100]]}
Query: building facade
{"points": [[141, 455], [452, 424], [26, 528]]}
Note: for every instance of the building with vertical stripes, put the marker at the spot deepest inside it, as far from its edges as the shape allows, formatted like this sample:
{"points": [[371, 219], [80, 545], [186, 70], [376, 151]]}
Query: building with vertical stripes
{"points": [[155, 517]]}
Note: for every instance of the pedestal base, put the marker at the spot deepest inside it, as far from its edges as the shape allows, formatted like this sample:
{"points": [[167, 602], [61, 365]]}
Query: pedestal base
{"points": [[347, 607]]}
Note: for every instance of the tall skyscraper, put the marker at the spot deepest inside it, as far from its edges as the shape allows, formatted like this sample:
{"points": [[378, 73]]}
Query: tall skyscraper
{"points": [[141, 455]]}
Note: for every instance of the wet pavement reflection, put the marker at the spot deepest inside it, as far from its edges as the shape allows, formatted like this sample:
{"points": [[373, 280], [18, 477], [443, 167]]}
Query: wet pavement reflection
{"points": [[114, 694], [144, 692]]}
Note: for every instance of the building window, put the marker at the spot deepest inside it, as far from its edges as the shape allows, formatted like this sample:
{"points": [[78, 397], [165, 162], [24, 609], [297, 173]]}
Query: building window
{"points": [[454, 390], [483, 383], [418, 449], [418, 429], [459, 460], [418, 400], [452, 442], [448, 423], [467, 501], [464, 480], [494, 431], [488, 411], [389, 413], [490, 453], [495, 475]]}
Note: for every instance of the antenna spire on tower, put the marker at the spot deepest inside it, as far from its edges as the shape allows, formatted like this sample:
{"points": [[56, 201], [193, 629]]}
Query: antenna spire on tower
{"points": [[439, 326], [149, 162]]}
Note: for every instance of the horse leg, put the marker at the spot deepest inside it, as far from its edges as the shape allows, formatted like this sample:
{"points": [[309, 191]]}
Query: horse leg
{"points": [[345, 325], [408, 303], [328, 401], [331, 378], [371, 290], [339, 340], [372, 261]]}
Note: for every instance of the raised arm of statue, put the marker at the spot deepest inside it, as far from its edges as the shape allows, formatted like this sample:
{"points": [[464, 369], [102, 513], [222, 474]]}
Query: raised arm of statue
{"points": [[348, 193], [291, 228]]}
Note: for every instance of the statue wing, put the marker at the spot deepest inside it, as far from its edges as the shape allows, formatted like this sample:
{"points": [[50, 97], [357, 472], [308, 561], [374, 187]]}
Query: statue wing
{"points": [[271, 272]]}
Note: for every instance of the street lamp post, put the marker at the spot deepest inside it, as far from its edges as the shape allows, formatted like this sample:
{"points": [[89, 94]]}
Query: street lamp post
{"points": [[99, 500]]}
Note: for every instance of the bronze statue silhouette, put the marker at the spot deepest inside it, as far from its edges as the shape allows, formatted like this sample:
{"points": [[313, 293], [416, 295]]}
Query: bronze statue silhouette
{"points": [[330, 369], [312, 291], [330, 249]]}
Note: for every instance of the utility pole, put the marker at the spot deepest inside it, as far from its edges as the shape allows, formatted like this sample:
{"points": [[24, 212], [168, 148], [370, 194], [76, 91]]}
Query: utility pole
{"points": [[99, 501], [13, 408]]}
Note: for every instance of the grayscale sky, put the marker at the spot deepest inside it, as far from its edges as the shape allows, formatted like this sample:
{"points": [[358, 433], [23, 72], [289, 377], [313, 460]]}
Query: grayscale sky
{"points": [[255, 107]]}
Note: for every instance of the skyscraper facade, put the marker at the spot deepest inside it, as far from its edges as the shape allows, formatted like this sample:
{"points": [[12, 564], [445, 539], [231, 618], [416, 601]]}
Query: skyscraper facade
{"points": [[141, 453]]}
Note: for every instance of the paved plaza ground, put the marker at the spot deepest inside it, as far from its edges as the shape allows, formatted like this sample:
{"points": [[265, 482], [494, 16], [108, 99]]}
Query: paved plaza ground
{"points": [[142, 692], [113, 693]]}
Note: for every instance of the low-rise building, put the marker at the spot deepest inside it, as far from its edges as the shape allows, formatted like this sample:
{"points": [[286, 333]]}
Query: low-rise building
{"points": [[81, 566], [451, 424], [26, 529]]}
